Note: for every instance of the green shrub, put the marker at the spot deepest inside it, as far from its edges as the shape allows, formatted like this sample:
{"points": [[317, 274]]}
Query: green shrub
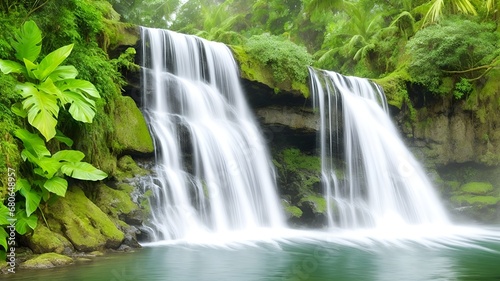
{"points": [[453, 45], [286, 59]]}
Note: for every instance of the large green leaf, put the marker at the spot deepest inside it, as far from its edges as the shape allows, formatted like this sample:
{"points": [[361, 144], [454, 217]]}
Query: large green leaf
{"points": [[49, 166], [64, 139], [83, 171], [8, 66], [82, 108], [42, 109], [69, 155], [32, 143], [50, 88], [63, 72], [32, 196], [30, 67], [52, 61], [78, 85], [56, 185], [25, 222], [18, 110], [3, 240], [4, 215], [28, 41]]}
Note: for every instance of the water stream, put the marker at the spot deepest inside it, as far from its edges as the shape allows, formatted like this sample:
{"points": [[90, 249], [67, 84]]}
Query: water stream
{"points": [[213, 172], [381, 185]]}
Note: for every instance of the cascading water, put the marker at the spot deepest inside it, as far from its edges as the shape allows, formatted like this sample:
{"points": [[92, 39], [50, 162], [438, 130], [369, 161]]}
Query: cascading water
{"points": [[196, 107], [377, 183]]}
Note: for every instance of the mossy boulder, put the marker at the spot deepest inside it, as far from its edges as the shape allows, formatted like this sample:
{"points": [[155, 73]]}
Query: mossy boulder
{"points": [[47, 260], [479, 201], [316, 201], [131, 131], [253, 70], [128, 168], [118, 204], [291, 211], [478, 188], [86, 226], [43, 240]]}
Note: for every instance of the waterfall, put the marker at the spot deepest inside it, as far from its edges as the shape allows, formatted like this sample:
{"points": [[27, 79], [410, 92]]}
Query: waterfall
{"points": [[213, 173], [376, 182]]}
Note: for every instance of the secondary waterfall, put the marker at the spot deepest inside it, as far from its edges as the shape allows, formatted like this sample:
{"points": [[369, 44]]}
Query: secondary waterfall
{"points": [[377, 182], [213, 172]]}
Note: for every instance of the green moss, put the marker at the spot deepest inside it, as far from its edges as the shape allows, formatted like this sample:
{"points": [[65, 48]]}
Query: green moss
{"points": [[48, 260], [83, 223], [44, 240], [477, 188], [480, 201], [293, 211], [295, 160], [127, 168], [114, 202], [394, 86], [317, 201], [254, 70], [118, 33], [453, 185], [131, 131]]}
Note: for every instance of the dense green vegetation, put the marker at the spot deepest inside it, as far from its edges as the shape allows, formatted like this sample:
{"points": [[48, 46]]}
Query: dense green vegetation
{"points": [[47, 107], [431, 40], [420, 51], [47, 87]]}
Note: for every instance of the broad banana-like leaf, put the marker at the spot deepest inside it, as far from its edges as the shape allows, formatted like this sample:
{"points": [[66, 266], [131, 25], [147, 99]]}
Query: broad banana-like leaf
{"points": [[69, 156], [63, 72], [30, 67], [28, 41], [42, 109], [32, 197], [52, 61], [82, 108], [33, 143], [56, 185], [8, 66], [50, 88], [82, 171], [78, 85]]}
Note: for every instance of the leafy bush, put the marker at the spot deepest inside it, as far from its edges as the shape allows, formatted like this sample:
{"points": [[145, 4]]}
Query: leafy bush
{"points": [[453, 45], [286, 59], [46, 88]]}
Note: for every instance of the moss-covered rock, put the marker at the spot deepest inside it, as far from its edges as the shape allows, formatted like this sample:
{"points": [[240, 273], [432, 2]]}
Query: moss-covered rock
{"points": [[291, 211], [86, 226], [128, 168], [131, 131], [43, 240], [394, 86], [479, 201], [317, 202], [253, 70], [118, 204], [47, 260], [477, 188]]}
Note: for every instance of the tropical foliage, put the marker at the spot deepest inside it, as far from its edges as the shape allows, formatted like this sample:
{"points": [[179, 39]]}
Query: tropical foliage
{"points": [[45, 88]]}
